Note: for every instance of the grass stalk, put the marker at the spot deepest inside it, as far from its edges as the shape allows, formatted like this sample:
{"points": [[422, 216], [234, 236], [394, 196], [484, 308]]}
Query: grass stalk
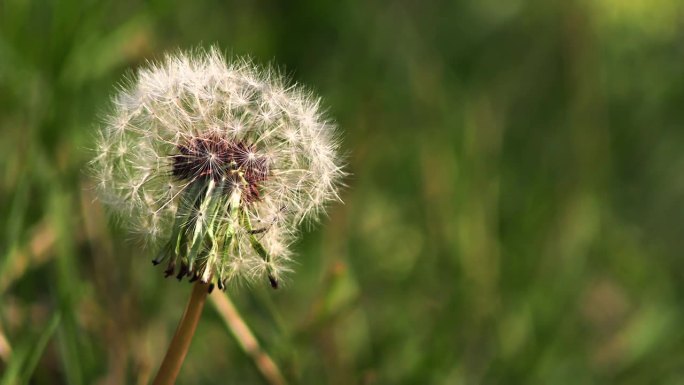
{"points": [[246, 338]]}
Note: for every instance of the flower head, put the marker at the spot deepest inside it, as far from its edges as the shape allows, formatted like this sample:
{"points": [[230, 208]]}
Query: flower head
{"points": [[217, 164]]}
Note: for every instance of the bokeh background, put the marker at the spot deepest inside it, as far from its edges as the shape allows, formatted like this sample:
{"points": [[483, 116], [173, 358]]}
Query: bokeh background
{"points": [[515, 213]]}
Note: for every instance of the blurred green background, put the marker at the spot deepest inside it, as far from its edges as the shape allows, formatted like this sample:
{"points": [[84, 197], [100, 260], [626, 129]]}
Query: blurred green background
{"points": [[514, 215]]}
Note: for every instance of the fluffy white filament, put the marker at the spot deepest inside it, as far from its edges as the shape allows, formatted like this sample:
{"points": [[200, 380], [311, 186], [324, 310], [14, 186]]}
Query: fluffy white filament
{"points": [[200, 95]]}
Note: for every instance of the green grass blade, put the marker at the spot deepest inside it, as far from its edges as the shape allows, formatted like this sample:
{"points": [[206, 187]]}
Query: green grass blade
{"points": [[25, 358], [39, 347]]}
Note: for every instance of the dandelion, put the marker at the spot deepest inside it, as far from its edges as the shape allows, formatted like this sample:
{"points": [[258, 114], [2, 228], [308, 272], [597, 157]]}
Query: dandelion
{"points": [[216, 164]]}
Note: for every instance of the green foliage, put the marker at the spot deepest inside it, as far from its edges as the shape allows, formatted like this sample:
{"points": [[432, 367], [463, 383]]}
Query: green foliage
{"points": [[514, 215]]}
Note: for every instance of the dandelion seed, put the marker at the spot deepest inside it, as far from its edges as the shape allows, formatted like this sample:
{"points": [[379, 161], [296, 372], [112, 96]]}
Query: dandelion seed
{"points": [[217, 163]]}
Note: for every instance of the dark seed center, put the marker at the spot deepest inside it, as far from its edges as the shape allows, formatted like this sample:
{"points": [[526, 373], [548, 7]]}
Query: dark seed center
{"points": [[235, 164]]}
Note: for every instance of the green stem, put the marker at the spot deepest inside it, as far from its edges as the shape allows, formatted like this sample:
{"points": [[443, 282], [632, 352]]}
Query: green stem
{"points": [[178, 349]]}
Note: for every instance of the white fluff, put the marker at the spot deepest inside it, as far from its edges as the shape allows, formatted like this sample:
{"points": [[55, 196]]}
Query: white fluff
{"points": [[190, 95]]}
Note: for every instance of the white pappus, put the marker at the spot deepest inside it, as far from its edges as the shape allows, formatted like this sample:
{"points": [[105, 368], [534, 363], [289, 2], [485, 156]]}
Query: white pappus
{"points": [[217, 163]]}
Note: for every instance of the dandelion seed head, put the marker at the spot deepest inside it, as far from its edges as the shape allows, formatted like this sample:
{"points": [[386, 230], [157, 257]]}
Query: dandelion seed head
{"points": [[216, 163]]}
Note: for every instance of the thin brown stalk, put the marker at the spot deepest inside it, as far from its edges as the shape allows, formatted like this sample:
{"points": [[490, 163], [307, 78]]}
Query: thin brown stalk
{"points": [[168, 371], [38, 251], [5, 348], [246, 339]]}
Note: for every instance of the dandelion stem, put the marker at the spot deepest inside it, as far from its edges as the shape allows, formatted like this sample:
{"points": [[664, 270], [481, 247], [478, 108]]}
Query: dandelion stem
{"points": [[168, 371]]}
